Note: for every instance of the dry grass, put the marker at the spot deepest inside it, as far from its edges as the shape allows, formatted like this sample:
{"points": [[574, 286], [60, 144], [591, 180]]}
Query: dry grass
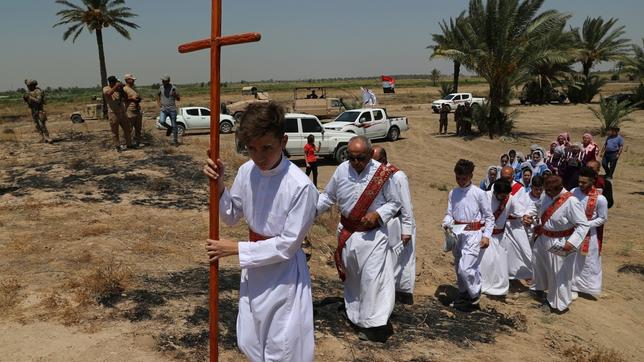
{"points": [[107, 279], [9, 293], [94, 230], [577, 354]]}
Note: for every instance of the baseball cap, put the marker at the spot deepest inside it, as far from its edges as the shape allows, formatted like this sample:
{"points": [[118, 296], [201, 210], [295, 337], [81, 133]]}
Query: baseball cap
{"points": [[165, 77], [129, 76]]}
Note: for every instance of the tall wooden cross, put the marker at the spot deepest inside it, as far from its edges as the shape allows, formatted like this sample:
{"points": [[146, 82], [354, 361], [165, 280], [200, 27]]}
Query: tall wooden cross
{"points": [[215, 42]]}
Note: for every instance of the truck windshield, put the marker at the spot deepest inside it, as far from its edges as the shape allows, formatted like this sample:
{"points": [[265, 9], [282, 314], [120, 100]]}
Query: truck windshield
{"points": [[349, 116], [449, 97]]}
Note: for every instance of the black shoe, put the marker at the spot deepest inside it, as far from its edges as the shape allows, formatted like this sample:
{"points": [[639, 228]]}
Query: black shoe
{"points": [[134, 145], [120, 148], [375, 334], [405, 298]]}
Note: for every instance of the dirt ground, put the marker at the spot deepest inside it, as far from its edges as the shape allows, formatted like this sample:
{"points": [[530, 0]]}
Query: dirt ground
{"points": [[101, 253]]}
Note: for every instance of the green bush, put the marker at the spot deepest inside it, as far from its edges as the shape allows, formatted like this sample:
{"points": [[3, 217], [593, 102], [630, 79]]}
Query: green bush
{"points": [[611, 113], [583, 89]]}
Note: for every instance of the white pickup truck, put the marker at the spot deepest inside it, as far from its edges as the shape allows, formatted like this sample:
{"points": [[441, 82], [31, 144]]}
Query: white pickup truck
{"points": [[333, 144], [370, 122], [197, 119], [453, 100]]}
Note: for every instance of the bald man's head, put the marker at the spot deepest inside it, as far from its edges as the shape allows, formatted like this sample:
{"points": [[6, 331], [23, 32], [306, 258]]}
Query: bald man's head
{"points": [[553, 185], [594, 165], [507, 173], [379, 154]]}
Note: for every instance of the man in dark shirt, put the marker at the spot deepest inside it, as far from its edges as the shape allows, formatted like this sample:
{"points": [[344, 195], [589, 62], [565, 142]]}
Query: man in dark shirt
{"points": [[613, 148]]}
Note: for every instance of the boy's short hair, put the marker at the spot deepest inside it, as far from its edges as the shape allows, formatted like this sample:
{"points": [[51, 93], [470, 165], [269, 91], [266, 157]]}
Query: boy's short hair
{"points": [[260, 119], [512, 152], [537, 181], [464, 167], [502, 186]]}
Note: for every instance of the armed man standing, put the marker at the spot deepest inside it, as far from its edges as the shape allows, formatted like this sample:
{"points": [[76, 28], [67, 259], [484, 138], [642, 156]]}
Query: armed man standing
{"points": [[35, 99]]}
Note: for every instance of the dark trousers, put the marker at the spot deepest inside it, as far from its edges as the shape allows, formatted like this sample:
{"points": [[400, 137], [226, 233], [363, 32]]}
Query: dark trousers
{"points": [[313, 167], [609, 162], [442, 124]]}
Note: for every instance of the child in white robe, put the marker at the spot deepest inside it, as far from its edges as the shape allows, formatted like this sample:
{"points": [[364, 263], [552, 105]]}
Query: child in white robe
{"points": [[278, 201]]}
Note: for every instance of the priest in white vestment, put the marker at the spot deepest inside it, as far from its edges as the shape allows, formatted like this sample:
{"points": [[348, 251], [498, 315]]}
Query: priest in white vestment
{"points": [[563, 226], [403, 225], [369, 288], [587, 273]]}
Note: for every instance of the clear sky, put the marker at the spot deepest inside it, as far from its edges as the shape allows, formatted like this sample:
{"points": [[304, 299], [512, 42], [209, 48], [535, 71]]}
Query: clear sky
{"points": [[301, 39]]}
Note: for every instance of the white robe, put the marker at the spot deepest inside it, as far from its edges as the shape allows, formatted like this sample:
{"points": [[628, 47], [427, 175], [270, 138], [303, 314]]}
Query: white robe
{"points": [[469, 204], [553, 270], [369, 291], [587, 273], [275, 320], [533, 203], [494, 259], [405, 262], [515, 239]]}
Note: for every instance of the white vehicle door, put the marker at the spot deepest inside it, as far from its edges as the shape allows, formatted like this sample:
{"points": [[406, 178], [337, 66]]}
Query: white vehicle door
{"points": [[294, 146], [457, 100], [204, 119], [190, 117], [364, 123], [379, 125], [311, 125]]}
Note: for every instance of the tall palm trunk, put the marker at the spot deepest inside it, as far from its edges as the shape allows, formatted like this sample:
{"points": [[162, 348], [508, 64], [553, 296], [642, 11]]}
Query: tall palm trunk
{"points": [[457, 73], [101, 60], [586, 67]]}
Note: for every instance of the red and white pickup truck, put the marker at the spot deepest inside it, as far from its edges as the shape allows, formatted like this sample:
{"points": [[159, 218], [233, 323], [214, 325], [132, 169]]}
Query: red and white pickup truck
{"points": [[370, 122], [454, 99]]}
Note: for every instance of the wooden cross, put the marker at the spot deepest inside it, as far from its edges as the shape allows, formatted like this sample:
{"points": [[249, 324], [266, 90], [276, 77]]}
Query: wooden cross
{"points": [[215, 42]]}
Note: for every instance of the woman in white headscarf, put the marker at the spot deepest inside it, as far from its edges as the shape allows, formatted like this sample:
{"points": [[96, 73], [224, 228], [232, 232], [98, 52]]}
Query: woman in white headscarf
{"points": [[491, 176]]}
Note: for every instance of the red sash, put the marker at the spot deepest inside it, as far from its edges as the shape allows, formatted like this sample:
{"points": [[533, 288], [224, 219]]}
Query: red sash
{"points": [[254, 237], [516, 188], [593, 195], [470, 226], [548, 214], [352, 223]]}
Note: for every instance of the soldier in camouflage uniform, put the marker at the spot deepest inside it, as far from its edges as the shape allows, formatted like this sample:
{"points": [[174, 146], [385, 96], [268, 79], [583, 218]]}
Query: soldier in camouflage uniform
{"points": [[114, 97], [35, 99], [133, 108]]}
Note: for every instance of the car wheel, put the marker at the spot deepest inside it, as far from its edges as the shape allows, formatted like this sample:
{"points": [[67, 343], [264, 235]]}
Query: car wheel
{"points": [[394, 134], [238, 115], [341, 154], [77, 118], [181, 129], [225, 127]]}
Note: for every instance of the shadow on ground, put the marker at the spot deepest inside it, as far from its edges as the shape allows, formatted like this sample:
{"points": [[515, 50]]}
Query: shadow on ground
{"points": [[179, 302]]}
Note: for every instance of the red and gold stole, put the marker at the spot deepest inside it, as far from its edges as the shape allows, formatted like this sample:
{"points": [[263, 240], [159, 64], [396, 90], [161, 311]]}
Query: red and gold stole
{"points": [[593, 194], [551, 210], [352, 223]]}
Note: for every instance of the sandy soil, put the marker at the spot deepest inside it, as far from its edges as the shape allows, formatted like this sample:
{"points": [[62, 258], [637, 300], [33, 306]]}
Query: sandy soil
{"points": [[102, 258]]}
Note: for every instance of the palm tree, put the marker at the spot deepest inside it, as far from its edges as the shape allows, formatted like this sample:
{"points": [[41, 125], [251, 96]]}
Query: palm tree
{"points": [[635, 65], [599, 43], [502, 41], [435, 76], [445, 42], [554, 67], [96, 15], [611, 113]]}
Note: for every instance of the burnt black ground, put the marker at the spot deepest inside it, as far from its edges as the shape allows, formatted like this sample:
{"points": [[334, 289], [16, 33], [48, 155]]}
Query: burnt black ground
{"points": [[179, 302]]}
